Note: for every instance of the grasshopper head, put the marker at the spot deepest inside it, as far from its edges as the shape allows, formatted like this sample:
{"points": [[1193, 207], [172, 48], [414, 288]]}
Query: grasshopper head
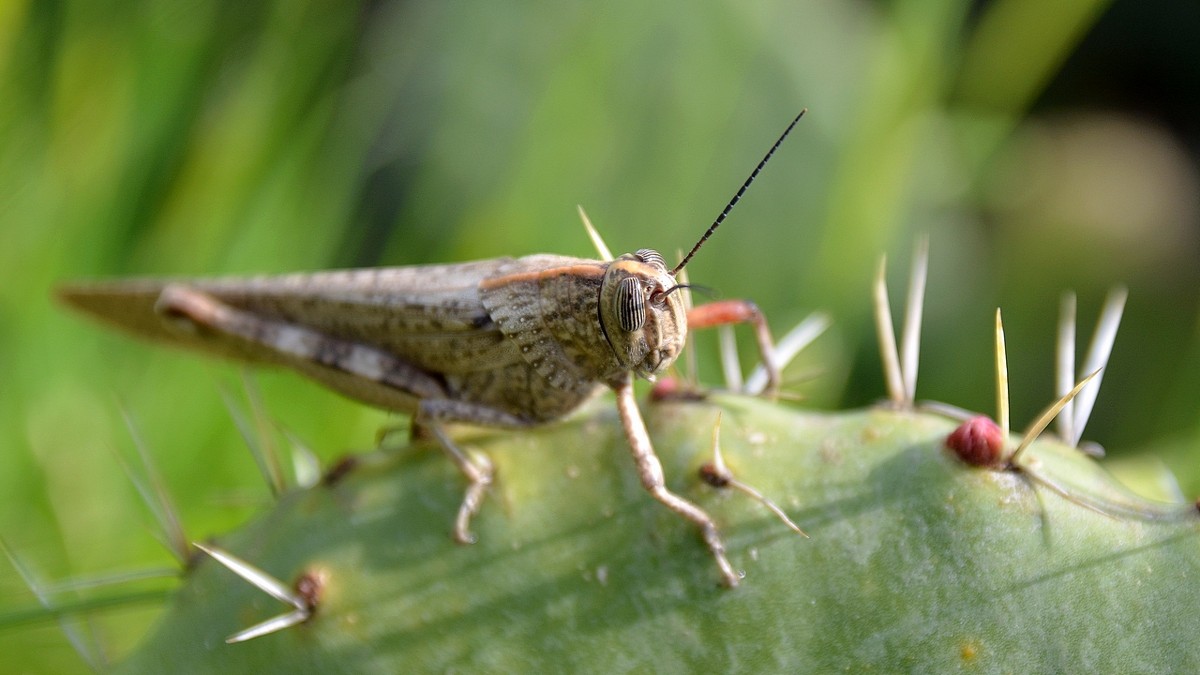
{"points": [[643, 319]]}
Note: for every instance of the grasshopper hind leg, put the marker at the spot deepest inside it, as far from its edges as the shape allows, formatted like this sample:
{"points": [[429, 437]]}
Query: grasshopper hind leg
{"points": [[361, 371]]}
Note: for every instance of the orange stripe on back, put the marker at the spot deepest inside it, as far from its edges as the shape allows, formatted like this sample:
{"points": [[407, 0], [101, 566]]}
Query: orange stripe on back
{"points": [[587, 271]]}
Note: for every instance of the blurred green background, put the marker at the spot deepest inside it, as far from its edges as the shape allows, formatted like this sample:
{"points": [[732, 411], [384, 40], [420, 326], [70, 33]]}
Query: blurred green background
{"points": [[1042, 146]]}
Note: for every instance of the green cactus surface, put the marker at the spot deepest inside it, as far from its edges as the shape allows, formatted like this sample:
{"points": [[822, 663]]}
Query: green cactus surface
{"points": [[916, 561]]}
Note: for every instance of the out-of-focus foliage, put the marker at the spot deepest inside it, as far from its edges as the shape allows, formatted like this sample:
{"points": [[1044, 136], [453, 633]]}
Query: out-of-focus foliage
{"points": [[216, 137]]}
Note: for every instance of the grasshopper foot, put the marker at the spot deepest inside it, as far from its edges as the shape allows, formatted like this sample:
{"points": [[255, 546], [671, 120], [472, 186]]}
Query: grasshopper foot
{"points": [[479, 472], [708, 529]]}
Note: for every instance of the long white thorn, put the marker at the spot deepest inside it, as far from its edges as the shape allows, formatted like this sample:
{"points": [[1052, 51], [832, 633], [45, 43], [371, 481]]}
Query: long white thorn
{"points": [[887, 337], [730, 364], [268, 584], [1097, 358], [910, 341], [1064, 366], [1047, 416], [255, 576], [1001, 378], [597, 240], [718, 459], [788, 347], [272, 625]]}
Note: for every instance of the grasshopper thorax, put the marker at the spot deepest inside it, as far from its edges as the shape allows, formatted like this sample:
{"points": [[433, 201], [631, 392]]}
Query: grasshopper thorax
{"points": [[643, 318]]}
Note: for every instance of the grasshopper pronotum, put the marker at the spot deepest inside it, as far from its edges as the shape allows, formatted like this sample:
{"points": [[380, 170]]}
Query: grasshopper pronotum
{"points": [[503, 342]]}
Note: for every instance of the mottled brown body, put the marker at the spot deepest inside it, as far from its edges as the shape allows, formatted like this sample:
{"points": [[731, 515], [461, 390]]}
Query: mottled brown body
{"points": [[520, 336]]}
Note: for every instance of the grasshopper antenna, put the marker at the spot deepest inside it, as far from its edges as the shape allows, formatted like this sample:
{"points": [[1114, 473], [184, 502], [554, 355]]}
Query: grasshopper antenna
{"points": [[741, 191]]}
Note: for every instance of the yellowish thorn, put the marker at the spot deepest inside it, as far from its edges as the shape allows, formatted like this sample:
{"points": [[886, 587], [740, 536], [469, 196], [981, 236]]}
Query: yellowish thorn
{"points": [[1047, 416], [1001, 377], [597, 240]]}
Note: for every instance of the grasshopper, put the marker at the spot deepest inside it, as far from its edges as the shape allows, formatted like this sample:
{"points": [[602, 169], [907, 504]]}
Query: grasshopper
{"points": [[501, 343]]}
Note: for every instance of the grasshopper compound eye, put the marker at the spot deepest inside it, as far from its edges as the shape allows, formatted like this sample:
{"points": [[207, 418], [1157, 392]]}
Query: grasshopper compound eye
{"points": [[630, 304], [652, 257]]}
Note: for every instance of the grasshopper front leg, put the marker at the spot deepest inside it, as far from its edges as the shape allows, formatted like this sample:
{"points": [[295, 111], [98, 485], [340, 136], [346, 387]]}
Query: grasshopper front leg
{"points": [[649, 469]]}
